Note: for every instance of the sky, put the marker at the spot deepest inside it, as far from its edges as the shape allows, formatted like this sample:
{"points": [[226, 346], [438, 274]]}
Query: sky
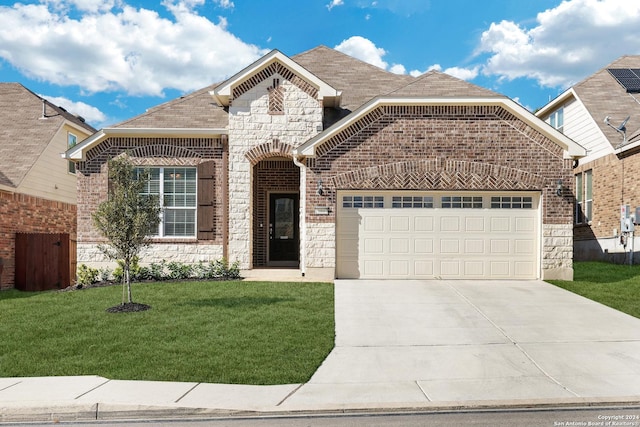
{"points": [[110, 60]]}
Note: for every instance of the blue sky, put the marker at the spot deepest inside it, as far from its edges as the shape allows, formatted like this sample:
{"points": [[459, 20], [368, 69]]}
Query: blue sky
{"points": [[109, 60]]}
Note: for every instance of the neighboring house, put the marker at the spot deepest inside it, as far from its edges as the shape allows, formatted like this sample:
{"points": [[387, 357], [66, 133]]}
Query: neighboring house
{"points": [[594, 113], [331, 166], [37, 187]]}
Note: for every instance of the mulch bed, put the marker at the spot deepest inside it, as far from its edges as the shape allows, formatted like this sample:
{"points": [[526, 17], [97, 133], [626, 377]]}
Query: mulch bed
{"points": [[128, 307]]}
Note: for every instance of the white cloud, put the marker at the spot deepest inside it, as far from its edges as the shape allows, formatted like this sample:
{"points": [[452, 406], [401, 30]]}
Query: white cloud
{"points": [[458, 72], [225, 4], [123, 48], [363, 49], [398, 69], [335, 3], [568, 41], [89, 113]]}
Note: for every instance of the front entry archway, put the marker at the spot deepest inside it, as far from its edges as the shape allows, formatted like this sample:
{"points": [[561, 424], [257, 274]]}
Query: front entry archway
{"points": [[276, 213]]}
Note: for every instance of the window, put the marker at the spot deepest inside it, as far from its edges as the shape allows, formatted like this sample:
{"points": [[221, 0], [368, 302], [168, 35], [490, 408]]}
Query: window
{"points": [[584, 197], [511, 202], [412, 202], [177, 190], [362, 201], [474, 202], [556, 119], [72, 140]]}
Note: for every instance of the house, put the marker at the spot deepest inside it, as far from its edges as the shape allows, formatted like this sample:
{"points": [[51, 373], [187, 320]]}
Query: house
{"points": [[37, 188], [335, 168], [602, 113]]}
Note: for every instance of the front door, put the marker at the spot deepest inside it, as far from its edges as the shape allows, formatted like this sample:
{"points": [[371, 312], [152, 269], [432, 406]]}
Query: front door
{"points": [[283, 230]]}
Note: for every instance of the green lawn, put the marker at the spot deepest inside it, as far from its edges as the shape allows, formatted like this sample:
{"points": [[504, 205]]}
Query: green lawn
{"points": [[617, 286], [216, 332]]}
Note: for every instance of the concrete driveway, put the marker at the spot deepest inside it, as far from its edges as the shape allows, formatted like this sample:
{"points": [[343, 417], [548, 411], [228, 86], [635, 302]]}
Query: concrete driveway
{"points": [[419, 342]]}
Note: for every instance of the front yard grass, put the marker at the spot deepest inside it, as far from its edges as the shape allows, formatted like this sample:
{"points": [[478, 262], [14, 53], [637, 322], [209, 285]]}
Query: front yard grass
{"points": [[614, 285], [216, 332]]}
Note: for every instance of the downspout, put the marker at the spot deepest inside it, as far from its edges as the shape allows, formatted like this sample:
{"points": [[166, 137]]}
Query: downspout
{"points": [[303, 214], [225, 197]]}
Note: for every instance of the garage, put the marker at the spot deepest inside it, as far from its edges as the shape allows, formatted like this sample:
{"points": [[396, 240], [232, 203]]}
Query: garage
{"points": [[438, 235]]}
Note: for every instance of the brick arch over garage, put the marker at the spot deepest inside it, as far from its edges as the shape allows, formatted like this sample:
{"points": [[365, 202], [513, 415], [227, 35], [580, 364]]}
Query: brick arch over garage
{"points": [[439, 174], [274, 148]]}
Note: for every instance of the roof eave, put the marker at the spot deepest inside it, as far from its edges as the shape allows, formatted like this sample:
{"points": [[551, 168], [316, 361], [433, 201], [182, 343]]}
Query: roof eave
{"points": [[572, 149], [556, 102], [222, 93], [78, 152]]}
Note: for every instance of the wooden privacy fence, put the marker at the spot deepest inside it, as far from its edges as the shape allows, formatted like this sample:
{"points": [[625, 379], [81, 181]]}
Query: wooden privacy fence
{"points": [[44, 261]]}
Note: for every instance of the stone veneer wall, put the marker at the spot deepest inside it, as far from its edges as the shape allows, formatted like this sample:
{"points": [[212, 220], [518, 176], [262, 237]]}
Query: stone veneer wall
{"points": [[20, 213], [447, 148], [252, 125], [186, 253]]}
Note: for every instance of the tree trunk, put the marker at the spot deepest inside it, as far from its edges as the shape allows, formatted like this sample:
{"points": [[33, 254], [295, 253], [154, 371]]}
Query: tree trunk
{"points": [[127, 279]]}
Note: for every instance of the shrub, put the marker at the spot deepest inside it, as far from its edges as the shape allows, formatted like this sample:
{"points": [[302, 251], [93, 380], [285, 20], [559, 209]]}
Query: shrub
{"points": [[87, 275], [179, 271]]}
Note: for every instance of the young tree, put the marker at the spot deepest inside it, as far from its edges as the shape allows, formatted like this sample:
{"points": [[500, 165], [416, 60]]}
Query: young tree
{"points": [[127, 217]]}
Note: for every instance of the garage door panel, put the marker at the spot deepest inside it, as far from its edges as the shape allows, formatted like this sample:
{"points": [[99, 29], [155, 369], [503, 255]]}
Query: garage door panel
{"points": [[474, 224], [423, 223], [373, 223], [525, 246], [500, 224], [499, 246], [399, 245], [373, 246], [373, 268], [474, 268], [450, 223], [399, 223], [499, 268], [423, 246], [428, 242], [524, 225], [449, 246], [474, 246]]}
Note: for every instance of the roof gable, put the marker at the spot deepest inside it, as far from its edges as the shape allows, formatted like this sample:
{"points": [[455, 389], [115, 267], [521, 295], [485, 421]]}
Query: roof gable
{"points": [[367, 111], [603, 96], [263, 68], [28, 123]]}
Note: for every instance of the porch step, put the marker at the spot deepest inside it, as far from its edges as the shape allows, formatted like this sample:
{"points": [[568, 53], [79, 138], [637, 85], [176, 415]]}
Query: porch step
{"points": [[284, 275]]}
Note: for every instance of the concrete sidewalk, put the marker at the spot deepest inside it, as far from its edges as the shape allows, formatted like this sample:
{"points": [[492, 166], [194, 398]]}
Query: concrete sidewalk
{"points": [[399, 345]]}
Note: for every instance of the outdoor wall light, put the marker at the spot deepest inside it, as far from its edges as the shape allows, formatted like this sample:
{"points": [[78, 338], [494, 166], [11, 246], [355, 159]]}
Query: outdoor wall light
{"points": [[320, 190], [559, 188]]}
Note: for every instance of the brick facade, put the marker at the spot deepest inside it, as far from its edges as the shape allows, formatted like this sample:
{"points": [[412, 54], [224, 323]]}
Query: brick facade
{"points": [[447, 148], [615, 183], [93, 189], [20, 213]]}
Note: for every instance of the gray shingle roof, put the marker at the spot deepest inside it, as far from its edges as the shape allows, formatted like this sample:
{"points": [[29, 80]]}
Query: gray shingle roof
{"points": [[195, 110], [359, 81], [24, 133], [603, 96], [436, 84]]}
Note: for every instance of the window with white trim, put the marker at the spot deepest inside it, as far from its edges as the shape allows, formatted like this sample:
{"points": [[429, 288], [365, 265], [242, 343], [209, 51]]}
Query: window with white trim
{"points": [[176, 187], [511, 202], [412, 202], [466, 202], [362, 201], [556, 119], [72, 140], [584, 197]]}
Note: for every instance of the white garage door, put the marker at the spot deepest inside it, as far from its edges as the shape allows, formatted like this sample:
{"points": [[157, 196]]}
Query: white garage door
{"points": [[457, 235]]}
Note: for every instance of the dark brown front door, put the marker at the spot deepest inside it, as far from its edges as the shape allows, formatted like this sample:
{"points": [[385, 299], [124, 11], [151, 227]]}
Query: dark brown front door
{"points": [[284, 239]]}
